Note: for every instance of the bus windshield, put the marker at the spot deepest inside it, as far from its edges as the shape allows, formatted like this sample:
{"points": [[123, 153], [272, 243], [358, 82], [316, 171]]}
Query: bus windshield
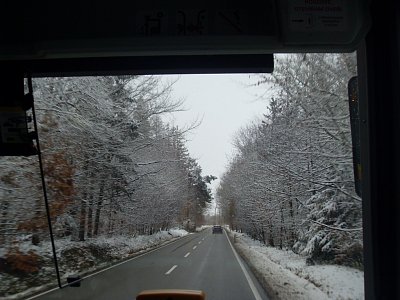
{"points": [[240, 186]]}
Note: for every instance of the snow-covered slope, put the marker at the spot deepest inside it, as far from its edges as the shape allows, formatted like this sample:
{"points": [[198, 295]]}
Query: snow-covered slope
{"points": [[285, 275]]}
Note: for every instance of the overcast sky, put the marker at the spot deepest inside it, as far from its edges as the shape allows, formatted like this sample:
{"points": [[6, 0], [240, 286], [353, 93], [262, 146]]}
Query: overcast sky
{"points": [[224, 103]]}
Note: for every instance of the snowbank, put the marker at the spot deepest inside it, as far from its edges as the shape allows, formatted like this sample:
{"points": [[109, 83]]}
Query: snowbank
{"points": [[286, 275], [78, 258], [122, 246], [202, 227], [178, 232]]}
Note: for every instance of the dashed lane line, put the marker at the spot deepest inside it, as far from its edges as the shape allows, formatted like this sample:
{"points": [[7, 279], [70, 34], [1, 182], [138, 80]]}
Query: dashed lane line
{"points": [[187, 254], [113, 266], [194, 247], [170, 270]]}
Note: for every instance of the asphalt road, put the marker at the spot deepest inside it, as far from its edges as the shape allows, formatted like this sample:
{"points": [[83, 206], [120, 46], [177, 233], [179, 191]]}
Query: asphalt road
{"points": [[201, 261]]}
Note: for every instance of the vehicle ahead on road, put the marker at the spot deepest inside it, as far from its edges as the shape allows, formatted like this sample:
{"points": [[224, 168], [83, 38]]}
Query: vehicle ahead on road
{"points": [[217, 229]]}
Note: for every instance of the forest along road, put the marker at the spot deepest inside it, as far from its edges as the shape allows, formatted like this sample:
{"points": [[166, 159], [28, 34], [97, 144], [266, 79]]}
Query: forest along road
{"points": [[201, 261]]}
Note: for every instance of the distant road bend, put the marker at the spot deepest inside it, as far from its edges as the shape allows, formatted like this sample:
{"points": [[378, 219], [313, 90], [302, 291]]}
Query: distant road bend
{"points": [[200, 261]]}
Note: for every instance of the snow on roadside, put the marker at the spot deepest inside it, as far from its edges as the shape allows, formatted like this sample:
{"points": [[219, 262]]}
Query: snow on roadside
{"points": [[123, 246], [178, 232], [118, 245], [287, 276], [202, 227], [79, 258]]}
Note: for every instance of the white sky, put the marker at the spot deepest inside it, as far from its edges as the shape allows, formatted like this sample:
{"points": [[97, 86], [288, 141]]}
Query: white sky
{"points": [[224, 103]]}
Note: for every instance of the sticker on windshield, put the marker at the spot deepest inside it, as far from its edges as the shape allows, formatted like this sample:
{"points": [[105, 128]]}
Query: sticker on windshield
{"points": [[317, 15]]}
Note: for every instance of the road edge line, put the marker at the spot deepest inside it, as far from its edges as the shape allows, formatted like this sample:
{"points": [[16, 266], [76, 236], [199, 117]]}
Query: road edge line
{"points": [[116, 265], [246, 274]]}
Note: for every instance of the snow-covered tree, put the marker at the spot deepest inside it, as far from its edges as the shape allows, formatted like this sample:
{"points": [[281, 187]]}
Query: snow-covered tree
{"points": [[112, 166], [291, 183]]}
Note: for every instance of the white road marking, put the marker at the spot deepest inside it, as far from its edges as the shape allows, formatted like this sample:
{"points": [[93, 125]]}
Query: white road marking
{"points": [[187, 254], [194, 247], [246, 274], [200, 242], [106, 269], [170, 270]]}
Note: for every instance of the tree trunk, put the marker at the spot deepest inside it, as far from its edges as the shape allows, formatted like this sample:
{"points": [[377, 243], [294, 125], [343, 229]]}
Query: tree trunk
{"points": [[282, 229], [98, 210], [263, 235], [271, 235], [292, 226], [82, 215], [3, 221], [82, 221], [90, 217]]}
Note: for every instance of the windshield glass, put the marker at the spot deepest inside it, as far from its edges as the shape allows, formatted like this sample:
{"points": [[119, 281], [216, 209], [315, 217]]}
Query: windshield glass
{"points": [[144, 173]]}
